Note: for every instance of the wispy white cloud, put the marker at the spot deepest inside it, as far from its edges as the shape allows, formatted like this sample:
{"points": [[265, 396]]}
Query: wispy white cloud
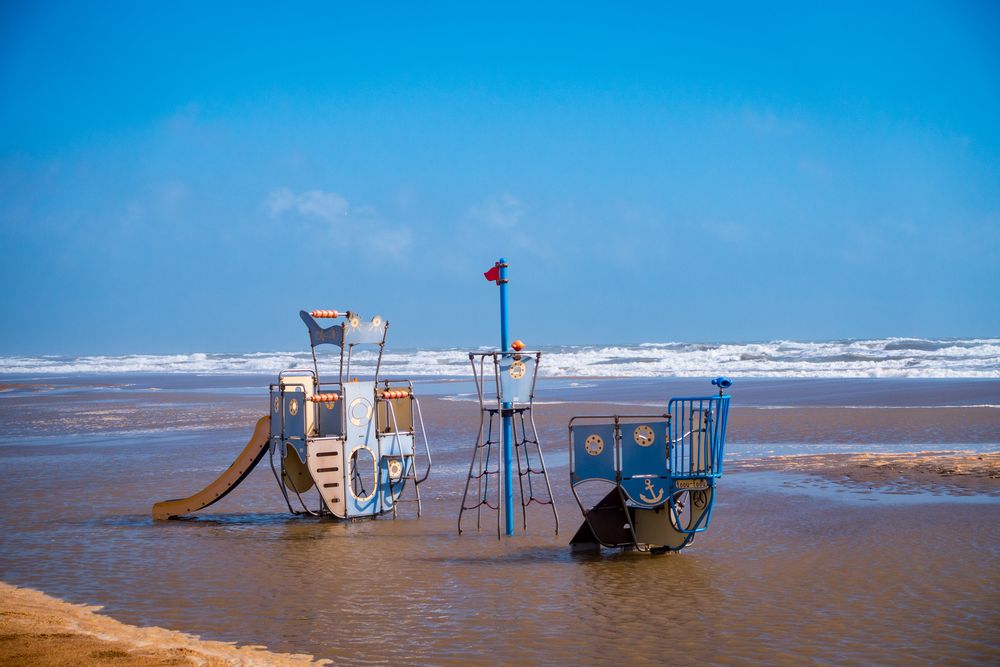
{"points": [[393, 242], [499, 211], [328, 206], [353, 223]]}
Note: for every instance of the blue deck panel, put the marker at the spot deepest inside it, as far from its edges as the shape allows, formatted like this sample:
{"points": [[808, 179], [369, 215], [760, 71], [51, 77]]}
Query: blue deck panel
{"points": [[594, 466], [644, 459]]}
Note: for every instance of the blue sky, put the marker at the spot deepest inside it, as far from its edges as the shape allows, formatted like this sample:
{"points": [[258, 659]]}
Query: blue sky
{"points": [[184, 177]]}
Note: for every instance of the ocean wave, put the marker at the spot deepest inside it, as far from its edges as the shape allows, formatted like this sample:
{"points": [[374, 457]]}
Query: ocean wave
{"points": [[868, 358]]}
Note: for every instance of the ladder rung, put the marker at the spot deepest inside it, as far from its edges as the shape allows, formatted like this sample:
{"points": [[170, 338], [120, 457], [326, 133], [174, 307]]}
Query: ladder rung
{"points": [[492, 507]]}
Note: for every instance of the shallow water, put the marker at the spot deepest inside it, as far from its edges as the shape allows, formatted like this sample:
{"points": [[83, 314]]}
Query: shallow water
{"points": [[784, 574]]}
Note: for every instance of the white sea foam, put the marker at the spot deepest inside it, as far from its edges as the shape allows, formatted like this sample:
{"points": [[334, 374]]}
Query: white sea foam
{"points": [[883, 357]]}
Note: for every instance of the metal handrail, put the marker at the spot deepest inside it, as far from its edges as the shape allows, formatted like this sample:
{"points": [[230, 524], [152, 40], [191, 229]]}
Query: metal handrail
{"points": [[427, 447]]}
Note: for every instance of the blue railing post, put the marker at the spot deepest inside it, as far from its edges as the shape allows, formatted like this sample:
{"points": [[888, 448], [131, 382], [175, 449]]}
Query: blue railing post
{"points": [[508, 431]]}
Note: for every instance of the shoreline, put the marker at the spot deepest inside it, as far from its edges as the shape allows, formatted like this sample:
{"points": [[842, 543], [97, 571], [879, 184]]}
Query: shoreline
{"points": [[39, 629]]}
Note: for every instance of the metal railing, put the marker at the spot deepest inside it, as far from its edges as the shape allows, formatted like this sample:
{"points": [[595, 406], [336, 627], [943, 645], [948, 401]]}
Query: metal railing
{"points": [[697, 436]]}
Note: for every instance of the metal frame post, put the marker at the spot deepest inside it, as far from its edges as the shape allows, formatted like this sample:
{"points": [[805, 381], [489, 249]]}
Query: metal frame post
{"points": [[508, 430]]}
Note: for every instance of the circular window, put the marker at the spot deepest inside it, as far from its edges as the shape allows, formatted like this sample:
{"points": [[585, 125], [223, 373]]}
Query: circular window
{"points": [[360, 411], [643, 435]]}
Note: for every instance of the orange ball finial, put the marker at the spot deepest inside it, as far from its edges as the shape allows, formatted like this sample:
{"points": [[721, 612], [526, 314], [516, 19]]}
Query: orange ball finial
{"points": [[517, 345]]}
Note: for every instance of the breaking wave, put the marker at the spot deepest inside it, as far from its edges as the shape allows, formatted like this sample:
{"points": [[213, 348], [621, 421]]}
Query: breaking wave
{"points": [[883, 357]]}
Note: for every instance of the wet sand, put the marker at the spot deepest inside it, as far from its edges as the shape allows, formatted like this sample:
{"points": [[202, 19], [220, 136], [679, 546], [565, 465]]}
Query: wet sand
{"points": [[36, 629], [954, 473], [808, 558]]}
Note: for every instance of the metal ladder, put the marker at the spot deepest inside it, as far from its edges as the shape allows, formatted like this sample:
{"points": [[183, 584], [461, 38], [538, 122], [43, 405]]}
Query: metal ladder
{"points": [[524, 442], [486, 466], [411, 475], [489, 468]]}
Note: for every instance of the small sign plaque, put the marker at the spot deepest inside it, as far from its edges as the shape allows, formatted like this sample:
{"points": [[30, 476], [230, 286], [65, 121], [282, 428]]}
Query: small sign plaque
{"points": [[691, 484]]}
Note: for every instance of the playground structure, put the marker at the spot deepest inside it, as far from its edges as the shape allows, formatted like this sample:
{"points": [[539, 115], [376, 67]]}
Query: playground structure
{"points": [[354, 442], [662, 468], [512, 376], [499, 441]]}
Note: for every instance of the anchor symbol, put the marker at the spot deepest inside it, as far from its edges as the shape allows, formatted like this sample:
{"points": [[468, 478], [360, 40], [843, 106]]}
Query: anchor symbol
{"points": [[656, 498]]}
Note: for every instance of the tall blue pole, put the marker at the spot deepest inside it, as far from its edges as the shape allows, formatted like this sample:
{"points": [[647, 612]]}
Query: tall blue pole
{"points": [[508, 431]]}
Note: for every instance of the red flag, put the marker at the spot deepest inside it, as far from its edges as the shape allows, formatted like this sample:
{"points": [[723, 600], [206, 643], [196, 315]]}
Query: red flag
{"points": [[493, 274]]}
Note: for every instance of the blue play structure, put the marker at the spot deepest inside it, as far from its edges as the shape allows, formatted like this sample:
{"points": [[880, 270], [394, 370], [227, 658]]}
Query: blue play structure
{"points": [[354, 441], [662, 470]]}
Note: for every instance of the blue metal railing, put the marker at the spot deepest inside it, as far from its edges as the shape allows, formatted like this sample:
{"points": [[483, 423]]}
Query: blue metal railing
{"points": [[697, 436]]}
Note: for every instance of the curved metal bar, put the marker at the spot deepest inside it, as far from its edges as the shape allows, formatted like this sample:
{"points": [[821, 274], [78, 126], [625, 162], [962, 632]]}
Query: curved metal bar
{"points": [[302, 502], [701, 524], [284, 491], [281, 487], [423, 434]]}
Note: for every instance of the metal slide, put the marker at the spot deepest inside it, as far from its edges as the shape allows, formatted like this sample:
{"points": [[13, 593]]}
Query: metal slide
{"points": [[226, 482]]}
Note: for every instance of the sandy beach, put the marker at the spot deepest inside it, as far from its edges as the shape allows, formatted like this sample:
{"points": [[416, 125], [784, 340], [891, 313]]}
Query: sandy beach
{"points": [[845, 534], [954, 473], [36, 629]]}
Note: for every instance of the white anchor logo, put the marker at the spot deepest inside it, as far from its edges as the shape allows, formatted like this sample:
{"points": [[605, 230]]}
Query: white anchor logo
{"points": [[655, 498]]}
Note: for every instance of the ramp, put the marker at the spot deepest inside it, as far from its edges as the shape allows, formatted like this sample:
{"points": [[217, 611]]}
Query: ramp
{"points": [[226, 482]]}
